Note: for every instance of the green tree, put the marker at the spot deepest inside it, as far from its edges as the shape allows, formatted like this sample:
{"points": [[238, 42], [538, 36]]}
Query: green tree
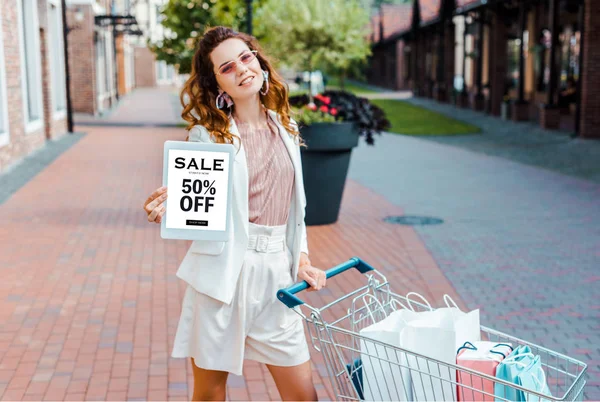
{"points": [[186, 20], [311, 34], [233, 13]]}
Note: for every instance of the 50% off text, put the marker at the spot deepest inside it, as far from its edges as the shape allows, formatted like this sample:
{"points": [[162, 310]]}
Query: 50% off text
{"points": [[197, 200]]}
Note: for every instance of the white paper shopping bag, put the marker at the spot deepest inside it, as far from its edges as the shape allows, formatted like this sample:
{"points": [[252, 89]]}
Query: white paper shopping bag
{"points": [[437, 335], [384, 369]]}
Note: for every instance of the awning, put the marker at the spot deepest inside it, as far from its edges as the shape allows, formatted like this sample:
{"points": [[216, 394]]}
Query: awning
{"points": [[124, 24]]}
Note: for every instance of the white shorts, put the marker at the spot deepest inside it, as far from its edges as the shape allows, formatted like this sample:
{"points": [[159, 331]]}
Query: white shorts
{"points": [[255, 326]]}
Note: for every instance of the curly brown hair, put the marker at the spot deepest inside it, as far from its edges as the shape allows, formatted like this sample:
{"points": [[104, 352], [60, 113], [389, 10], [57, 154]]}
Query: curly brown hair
{"points": [[201, 88]]}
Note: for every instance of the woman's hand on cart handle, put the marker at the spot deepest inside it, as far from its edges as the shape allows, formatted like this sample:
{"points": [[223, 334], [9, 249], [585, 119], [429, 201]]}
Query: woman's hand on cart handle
{"points": [[288, 296], [315, 277], [155, 205]]}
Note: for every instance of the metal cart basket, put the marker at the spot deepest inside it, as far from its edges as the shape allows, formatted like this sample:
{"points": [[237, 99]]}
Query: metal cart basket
{"points": [[399, 374]]}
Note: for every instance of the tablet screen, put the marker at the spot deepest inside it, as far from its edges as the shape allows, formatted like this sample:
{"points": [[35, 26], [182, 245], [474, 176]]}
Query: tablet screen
{"points": [[198, 182]]}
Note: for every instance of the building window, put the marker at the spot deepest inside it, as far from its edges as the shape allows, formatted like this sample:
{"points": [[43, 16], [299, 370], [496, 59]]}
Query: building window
{"points": [[57, 59], [4, 130], [100, 65], [512, 68], [31, 66]]}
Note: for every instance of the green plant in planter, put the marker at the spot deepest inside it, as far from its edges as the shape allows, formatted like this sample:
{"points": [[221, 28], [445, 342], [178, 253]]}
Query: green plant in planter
{"points": [[368, 118], [305, 116]]}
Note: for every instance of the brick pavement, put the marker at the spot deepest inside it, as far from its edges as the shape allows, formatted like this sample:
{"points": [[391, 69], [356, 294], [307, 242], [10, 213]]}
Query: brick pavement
{"points": [[89, 296], [27, 168], [153, 106], [519, 242]]}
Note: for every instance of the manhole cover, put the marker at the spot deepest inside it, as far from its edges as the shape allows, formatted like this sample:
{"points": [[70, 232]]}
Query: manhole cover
{"points": [[413, 220]]}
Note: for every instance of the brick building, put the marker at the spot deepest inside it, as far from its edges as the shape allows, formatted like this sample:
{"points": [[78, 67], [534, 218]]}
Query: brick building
{"points": [[101, 54], [522, 59], [108, 57], [32, 77], [109, 53]]}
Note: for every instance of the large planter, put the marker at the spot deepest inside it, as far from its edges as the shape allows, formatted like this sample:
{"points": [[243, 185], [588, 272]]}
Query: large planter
{"points": [[325, 164]]}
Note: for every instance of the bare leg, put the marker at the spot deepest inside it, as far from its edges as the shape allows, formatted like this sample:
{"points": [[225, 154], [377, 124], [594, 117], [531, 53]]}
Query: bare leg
{"points": [[209, 385], [294, 383]]}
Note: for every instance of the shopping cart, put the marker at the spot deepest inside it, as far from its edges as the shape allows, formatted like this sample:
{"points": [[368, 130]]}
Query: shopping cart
{"points": [[361, 368]]}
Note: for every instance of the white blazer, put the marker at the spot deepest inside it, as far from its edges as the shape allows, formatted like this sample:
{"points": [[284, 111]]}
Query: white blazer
{"points": [[213, 267]]}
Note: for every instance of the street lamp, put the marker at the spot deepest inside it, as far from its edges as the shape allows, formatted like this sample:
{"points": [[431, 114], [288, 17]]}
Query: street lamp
{"points": [[66, 29], [249, 16]]}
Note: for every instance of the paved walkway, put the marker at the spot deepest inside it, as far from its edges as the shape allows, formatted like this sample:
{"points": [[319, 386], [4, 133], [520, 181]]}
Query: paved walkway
{"points": [[519, 242], [89, 297], [158, 106]]}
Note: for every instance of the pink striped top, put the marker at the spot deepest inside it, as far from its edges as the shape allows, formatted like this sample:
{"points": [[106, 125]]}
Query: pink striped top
{"points": [[270, 175]]}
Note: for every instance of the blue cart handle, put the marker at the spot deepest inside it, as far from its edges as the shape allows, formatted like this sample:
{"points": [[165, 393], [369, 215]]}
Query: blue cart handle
{"points": [[286, 296]]}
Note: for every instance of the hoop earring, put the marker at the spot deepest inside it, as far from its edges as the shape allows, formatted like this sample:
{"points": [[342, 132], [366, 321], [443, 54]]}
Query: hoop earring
{"points": [[219, 100], [266, 79], [223, 97]]}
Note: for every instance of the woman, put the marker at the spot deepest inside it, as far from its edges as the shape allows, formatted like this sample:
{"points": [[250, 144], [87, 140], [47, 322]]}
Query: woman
{"points": [[229, 310]]}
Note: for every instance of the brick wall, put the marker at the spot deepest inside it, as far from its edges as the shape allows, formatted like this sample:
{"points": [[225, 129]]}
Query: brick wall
{"points": [[145, 67], [82, 63], [21, 143], [590, 88]]}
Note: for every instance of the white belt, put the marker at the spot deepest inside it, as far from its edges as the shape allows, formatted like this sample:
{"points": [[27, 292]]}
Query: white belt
{"points": [[266, 244]]}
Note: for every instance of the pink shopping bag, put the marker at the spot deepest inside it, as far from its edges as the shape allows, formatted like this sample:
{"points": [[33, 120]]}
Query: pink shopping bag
{"points": [[483, 357]]}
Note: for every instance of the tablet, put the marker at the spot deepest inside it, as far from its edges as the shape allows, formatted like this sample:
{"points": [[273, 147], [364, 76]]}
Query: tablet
{"points": [[199, 184]]}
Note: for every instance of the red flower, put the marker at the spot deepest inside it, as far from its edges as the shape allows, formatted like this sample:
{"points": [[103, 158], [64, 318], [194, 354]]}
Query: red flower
{"points": [[312, 106], [333, 111], [324, 109], [326, 100]]}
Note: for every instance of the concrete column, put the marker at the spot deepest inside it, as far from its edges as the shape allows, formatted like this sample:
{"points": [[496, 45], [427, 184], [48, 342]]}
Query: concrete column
{"points": [[478, 101], [533, 30], [463, 95]]}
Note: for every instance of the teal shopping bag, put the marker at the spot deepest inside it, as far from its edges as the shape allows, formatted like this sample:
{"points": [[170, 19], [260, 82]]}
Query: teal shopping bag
{"points": [[522, 368]]}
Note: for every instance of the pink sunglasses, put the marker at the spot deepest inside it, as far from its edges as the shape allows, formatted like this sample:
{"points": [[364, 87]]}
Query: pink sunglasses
{"points": [[244, 58]]}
